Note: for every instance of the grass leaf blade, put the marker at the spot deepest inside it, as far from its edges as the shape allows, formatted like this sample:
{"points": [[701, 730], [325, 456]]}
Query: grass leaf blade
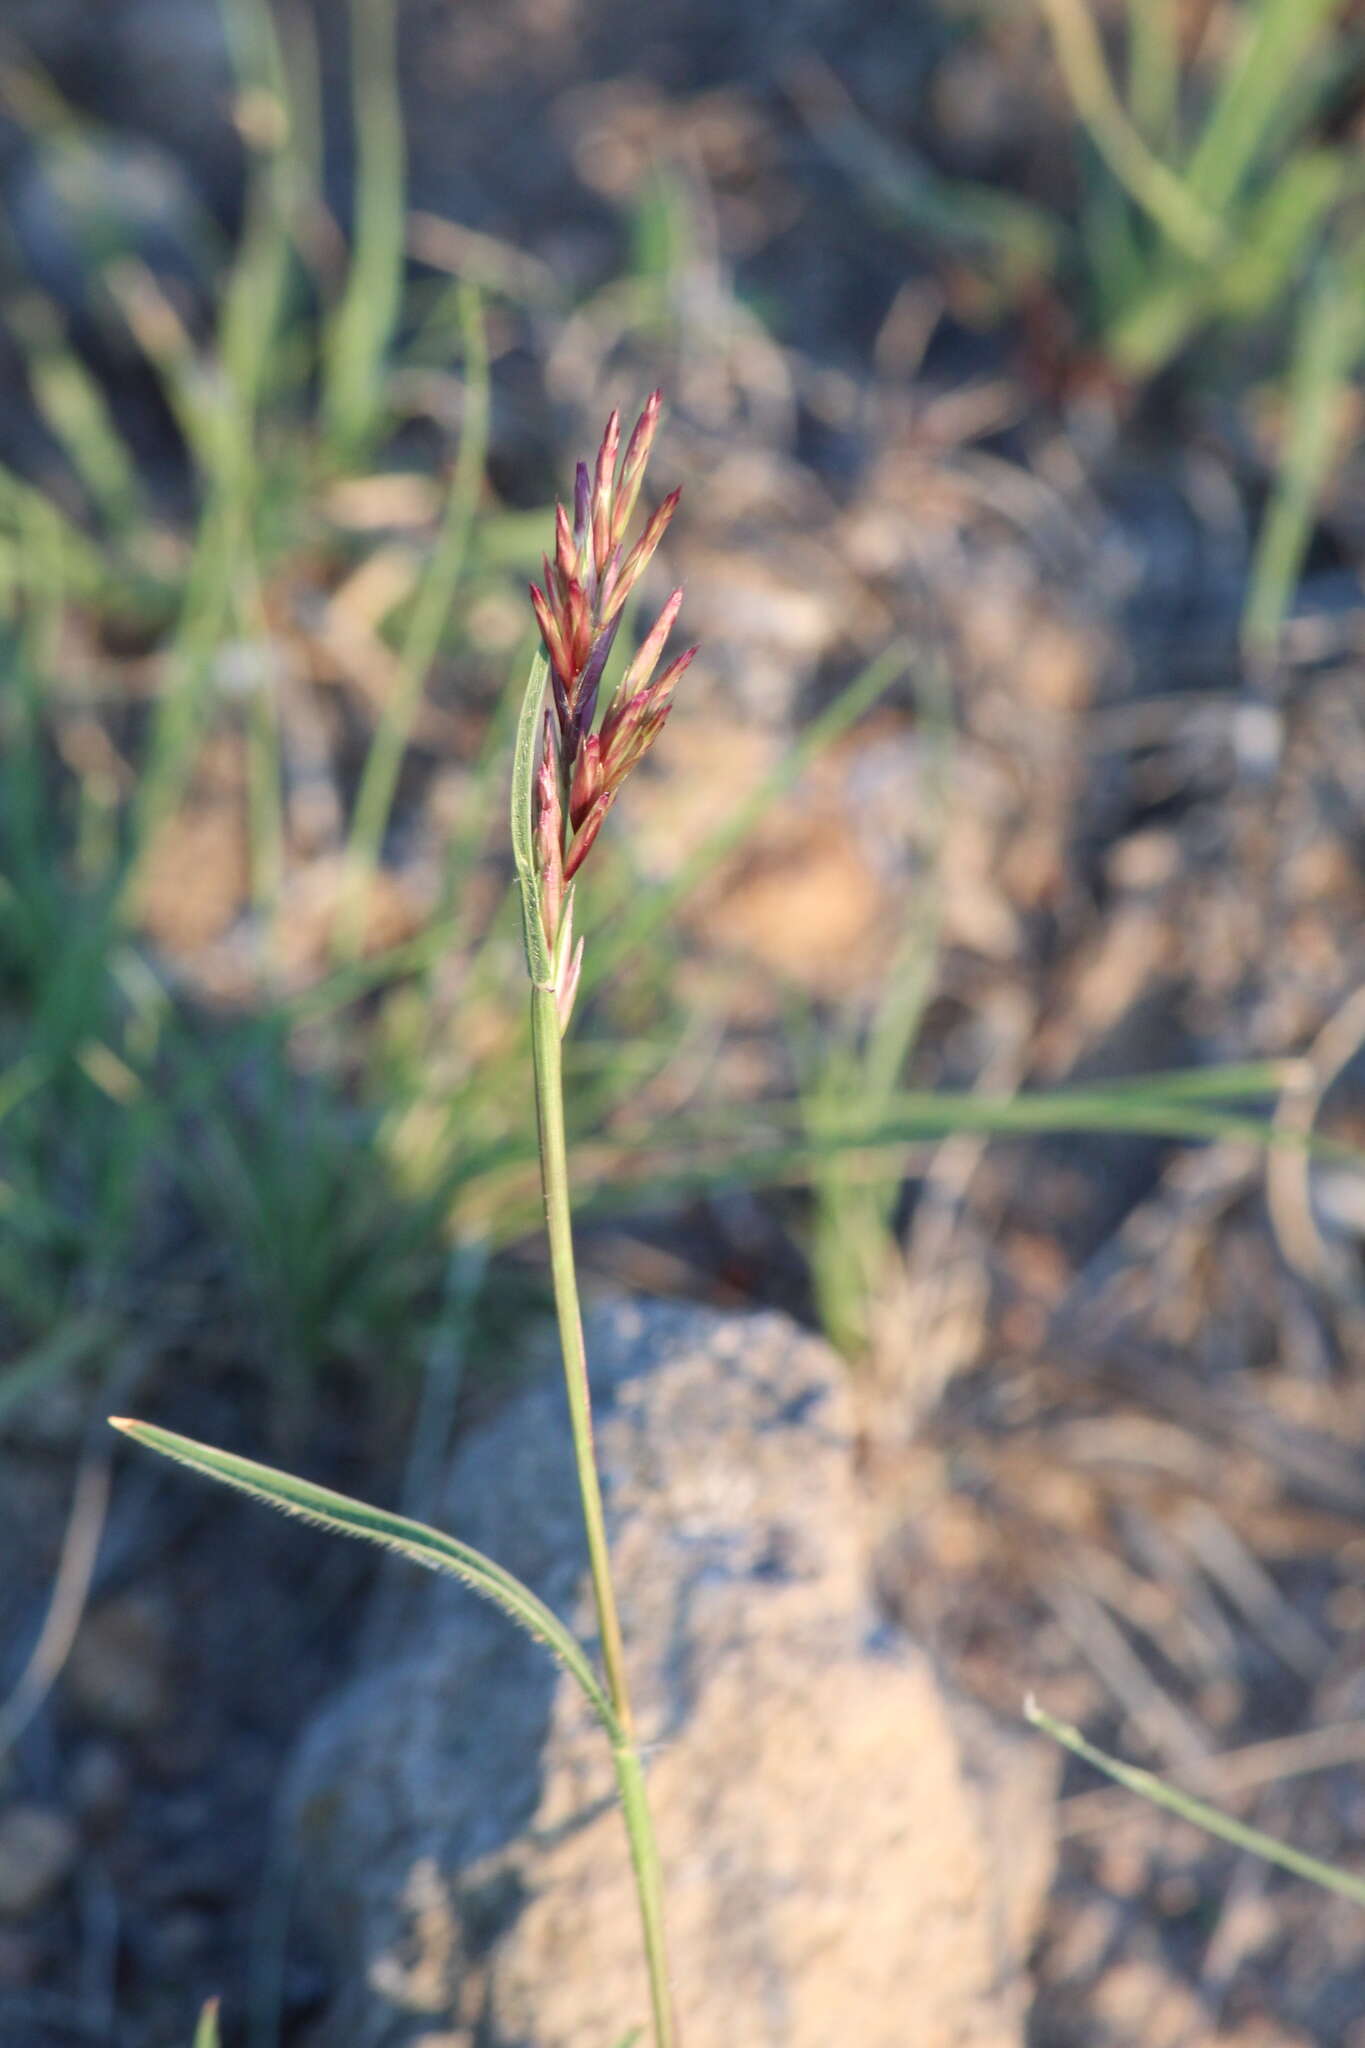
{"points": [[206, 2033], [1210, 1818], [424, 1545]]}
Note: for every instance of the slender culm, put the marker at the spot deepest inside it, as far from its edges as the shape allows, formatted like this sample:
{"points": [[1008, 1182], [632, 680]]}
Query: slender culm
{"points": [[573, 756]]}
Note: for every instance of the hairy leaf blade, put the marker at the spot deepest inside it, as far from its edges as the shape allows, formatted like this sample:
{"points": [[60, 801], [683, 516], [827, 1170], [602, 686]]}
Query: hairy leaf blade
{"points": [[425, 1546]]}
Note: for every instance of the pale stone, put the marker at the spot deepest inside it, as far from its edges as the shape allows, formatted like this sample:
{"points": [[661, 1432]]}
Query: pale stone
{"points": [[850, 1854]]}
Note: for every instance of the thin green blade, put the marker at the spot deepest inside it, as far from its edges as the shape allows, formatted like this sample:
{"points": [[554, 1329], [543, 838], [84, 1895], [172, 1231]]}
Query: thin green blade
{"points": [[206, 2033], [425, 1546], [1209, 1818]]}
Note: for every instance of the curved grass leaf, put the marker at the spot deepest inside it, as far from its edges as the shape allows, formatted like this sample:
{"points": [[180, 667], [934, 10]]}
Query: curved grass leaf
{"points": [[1209, 1818], [424, 1545], [206, 2033]]}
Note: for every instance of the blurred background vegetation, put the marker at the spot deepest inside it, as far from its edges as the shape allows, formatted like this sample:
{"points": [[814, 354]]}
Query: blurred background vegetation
{"points": [[263, 596], [1012, 355]]}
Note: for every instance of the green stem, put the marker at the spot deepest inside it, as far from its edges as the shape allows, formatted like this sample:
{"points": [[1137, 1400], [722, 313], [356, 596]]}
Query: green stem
{"points": [[649, 1889], [554, 1172]]}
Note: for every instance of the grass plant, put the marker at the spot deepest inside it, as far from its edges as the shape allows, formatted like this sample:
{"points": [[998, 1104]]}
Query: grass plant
{"points": [[118, 1094], [567, 771], [1213, 196], [571, 757], [1206, 194]]}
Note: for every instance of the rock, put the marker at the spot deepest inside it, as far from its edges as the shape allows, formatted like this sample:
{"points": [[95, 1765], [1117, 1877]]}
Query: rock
{"points": [[37, 1853], [849, 1855]]}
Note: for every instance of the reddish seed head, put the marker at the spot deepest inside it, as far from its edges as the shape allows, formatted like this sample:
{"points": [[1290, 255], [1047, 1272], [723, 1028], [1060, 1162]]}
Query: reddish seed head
{"points": [[589, 682], [651, 647], [633, 723], [668, 681], [549, 833], [587, 780], [638, 560], [633, 468], [550, 633], [620, 728], [566, 555], [579, 612], [579, 621], [604, 488], [587, 833]]}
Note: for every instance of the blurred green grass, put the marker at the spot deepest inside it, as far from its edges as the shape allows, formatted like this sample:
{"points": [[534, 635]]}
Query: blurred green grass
{"points": [[1217, 227], [303, 1174], [1214, 195]]}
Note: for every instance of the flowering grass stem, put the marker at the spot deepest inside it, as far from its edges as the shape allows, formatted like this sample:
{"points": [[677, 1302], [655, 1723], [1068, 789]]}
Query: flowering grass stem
{"points": [[630, 1777], [554, 1174], [571, 758]]}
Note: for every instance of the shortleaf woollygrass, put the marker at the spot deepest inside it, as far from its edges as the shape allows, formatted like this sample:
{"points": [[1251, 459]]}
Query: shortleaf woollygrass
{"points": [[567, 769]]}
